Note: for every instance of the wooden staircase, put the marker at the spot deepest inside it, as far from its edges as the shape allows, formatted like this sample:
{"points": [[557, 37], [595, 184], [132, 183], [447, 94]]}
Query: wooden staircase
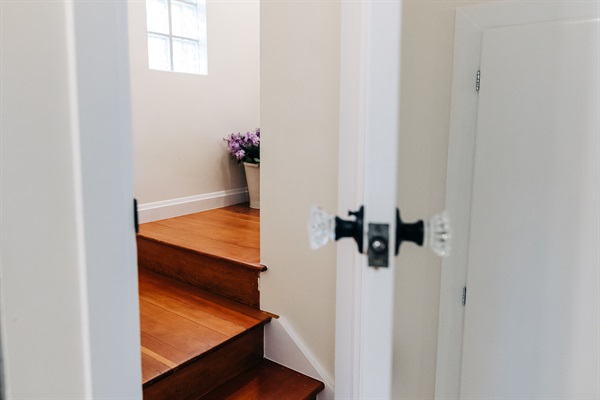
{"points": [[201, 326]]}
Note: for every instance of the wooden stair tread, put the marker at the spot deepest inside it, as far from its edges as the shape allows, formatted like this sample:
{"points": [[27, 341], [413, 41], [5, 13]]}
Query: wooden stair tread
{"points": [[181, 323], [230, 233], [267, 381], [201, 327]]}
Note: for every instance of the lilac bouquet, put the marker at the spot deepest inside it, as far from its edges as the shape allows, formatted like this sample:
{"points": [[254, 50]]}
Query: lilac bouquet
{"points": [[245, 147]]}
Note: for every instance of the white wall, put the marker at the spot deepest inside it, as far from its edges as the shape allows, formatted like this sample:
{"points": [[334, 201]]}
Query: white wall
{"points": [[427, 57], [40, 264], [299, 116], [180, 119], [70, 327]]}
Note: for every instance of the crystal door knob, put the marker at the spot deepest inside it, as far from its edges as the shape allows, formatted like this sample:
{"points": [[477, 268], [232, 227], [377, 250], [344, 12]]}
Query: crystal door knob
{"points": [[434, 233], [438, 234], [323, 228]]}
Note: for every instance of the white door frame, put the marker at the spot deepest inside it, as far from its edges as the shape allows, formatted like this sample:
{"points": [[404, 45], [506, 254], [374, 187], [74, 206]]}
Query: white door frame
{"points": [[350, 197], [471, 23], [70, 321], [102, 81], [369, 107]]}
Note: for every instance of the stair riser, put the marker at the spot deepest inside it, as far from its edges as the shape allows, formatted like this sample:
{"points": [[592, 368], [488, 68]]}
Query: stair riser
{"points": [[198, 378], [216, 275]]}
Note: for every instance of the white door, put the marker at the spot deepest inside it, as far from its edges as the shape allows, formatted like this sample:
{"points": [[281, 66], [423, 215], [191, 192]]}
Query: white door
{"points": [[369, 130], [531, 318]]}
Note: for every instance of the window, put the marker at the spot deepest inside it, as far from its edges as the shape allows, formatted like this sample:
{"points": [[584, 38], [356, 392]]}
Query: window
{"points": [[177, 35]]}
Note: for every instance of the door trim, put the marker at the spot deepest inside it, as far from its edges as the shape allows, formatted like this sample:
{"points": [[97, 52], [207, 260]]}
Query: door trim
{"points": [[350, 196], [471, 22], [369, 107]]}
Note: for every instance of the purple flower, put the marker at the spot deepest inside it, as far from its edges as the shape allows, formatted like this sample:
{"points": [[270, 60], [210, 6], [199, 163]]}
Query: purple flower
{"points": [[252, 138], [245, 147]]}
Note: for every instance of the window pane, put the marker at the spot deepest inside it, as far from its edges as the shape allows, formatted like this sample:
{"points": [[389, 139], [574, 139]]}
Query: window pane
{"points": [[186, 56], [159, 55], [201, 10], [185, 20], [202, 57], [157, 15]]}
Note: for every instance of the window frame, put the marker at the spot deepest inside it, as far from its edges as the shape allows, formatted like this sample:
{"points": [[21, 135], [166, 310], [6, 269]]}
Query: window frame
{"points": [[170, 36]]}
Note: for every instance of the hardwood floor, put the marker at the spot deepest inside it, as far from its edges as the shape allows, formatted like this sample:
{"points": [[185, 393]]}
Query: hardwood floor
{"points": [[201, 327], [180, 322], [216, 250], [230, 233]]}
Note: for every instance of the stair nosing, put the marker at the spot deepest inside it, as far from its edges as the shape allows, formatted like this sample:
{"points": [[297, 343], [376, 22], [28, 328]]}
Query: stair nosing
{"points": [[200, 356], [251, 266]]}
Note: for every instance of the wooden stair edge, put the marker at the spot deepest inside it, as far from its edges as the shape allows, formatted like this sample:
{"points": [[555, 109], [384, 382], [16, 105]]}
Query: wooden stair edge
{"points": [[216, 368], [207, 353], [267, 380], [258, 267], [224, 301]]}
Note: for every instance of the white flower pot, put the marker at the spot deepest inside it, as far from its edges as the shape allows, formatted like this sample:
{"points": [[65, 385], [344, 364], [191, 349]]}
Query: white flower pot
{"points": [[253, 180]]}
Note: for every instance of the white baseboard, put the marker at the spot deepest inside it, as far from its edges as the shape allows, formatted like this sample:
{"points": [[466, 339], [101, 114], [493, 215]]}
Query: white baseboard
{"points": [[150, 212], [284, 346]]}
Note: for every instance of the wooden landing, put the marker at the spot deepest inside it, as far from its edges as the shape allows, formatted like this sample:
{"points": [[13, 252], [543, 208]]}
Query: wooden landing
{"points": [[230, 233], [180, 324]]}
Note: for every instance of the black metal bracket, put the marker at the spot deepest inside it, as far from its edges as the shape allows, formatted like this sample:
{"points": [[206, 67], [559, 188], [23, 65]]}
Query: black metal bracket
{"points": [[136, 220], [353, 228], [414, 232]]}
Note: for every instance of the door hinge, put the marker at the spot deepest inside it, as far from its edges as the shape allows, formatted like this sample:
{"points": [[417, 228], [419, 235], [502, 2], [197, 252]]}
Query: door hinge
{"points": [[136, 220], [464, 296], [478, 81]]}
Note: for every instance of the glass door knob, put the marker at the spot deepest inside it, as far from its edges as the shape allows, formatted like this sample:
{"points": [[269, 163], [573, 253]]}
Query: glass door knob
{"points": [[434, 233], [323, 228], [438, 234]]}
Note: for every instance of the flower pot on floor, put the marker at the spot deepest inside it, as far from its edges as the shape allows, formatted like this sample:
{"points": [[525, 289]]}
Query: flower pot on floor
{"points": [[253, 180]]}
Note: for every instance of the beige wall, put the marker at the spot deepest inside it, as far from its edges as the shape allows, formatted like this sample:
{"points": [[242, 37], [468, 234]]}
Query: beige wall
{"points": [[299, 116], [427, 57], [180, 119], [299, 72]]}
